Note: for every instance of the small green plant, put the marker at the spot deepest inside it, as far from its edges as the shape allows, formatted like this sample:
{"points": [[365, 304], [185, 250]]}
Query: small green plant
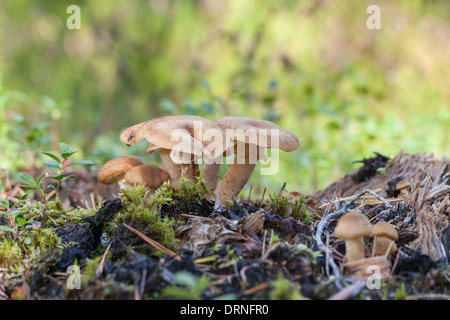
{"points": [[187, 286], [401, 292], [303, 250], [274, 239], [59, 164], [56, 170], [284, 289], [16, 216], [290, 206]]}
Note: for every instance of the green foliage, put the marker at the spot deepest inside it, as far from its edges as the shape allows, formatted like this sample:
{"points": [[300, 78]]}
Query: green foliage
{"points": [[52, 214], [56, 170], [10, 251], [59, 164], [284, 289], [137, 213], [274, 238], [290, 206], [20, 138], [16, 216], [187, 193], [190, 192], [302, 250], [186, 286], [401, 292], [43, 238]]}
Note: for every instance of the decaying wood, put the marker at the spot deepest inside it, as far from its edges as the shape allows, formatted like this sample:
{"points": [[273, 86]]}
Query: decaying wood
{"points": [[411, 167]]}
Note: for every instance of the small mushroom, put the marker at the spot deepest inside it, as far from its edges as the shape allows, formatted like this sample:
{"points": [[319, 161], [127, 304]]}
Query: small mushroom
{"points": [[404, 187], [180, 140], [250, 137], [147, 175], [114, 170], [385, 236], [353, 227], [175, 171]]}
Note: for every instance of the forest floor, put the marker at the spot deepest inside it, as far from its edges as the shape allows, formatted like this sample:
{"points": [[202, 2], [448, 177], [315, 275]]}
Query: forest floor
{"points": [[176, 244]]}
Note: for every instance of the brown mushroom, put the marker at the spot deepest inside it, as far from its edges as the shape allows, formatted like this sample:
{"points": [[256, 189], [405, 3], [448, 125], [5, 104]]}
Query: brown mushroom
{"points": [[404, 187], [176, 171], [114, 170], [180, 140], [385, 236], [250, 137], [353, 227], [147, 175]]}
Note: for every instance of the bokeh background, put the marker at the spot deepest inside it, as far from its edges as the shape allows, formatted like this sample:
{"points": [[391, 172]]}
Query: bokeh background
{"points": [[313, 67]]}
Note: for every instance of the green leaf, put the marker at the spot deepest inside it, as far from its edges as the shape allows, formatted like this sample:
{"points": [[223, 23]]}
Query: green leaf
{"points": [[24, 197], [81, 162], [5, 228], [66, 155], [51, 164], [51, 155], [66, 151], [25, 177], [58, 177], [17, 203], [28, 187], [4, 204], [64, 147], [68, 177], [38, 181]]}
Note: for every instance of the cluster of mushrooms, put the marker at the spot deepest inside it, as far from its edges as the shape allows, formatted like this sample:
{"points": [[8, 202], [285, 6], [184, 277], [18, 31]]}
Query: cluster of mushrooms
{"points": [[181, 141], [353, 227]]}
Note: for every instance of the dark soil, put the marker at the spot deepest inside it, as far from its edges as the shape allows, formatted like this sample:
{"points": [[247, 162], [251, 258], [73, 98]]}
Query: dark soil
{"points": [[246, 251]]}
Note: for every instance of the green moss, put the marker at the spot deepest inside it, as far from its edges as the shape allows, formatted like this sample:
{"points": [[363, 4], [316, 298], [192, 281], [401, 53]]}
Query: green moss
{"points": [[192, 191], [289, 206], [43, 238], [284, 289], [10, 252], [52, 214], [302, 250], [188, 193], [140, 212]]}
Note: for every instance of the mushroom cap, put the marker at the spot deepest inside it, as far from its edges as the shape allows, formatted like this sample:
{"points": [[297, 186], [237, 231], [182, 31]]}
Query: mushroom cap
{"points": [[114, 170], [185, 133], [148, 175], [403, 184], [353, 225], [152, 148], [260, 132], [384, 229], [133, 134]]}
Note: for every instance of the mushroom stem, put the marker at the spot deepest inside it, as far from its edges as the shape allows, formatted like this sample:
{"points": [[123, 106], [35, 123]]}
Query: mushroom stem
{"points": [[354, 249], [176, 171], [236, 177], [381, 246], [211, 172]]}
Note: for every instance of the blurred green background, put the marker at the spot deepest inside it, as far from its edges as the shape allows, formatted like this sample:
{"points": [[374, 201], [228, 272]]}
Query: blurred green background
{"points": [[313, 67]]}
